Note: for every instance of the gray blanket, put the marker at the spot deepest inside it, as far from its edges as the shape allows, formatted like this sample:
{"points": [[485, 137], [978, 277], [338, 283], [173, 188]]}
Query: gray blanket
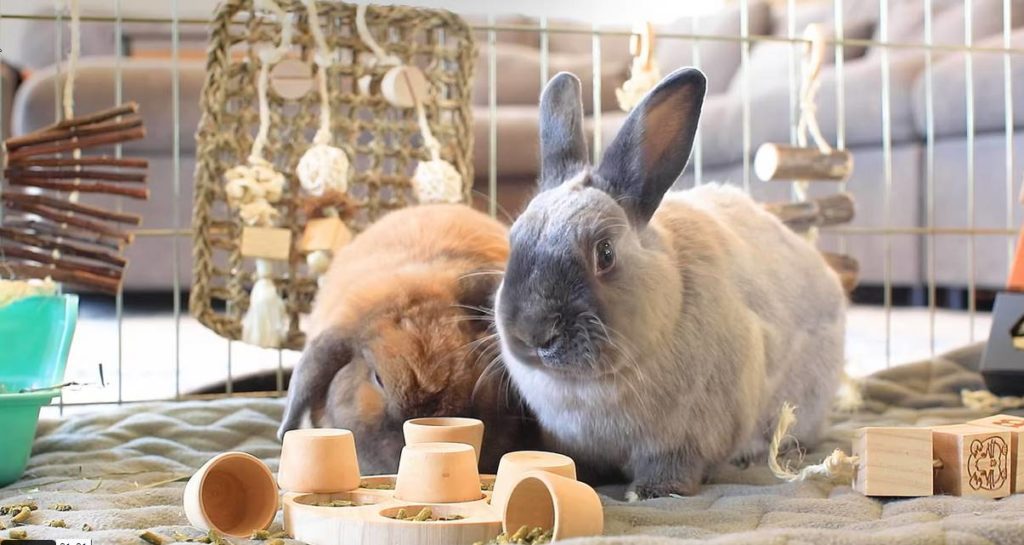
{"points": [[118, 469]]}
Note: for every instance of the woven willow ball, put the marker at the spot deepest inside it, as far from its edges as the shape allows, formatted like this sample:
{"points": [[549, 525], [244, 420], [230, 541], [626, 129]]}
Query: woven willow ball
{"points": [[436, 182], [323, 167]]}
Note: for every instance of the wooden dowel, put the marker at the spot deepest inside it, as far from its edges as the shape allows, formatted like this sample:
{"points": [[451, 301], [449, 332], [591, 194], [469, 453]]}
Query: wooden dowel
{"points": [[70, 219], [105, 139], [846, 267], [61, 204], [78, 278], [101, 160], [42, 137], [777, 162], [68, 174], [824, 211], [110, 189], [65, 247], [85, 237], [47, 258], [102, 115]]}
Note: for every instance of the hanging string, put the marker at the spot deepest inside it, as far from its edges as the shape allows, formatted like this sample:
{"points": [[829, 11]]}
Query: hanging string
{"points": [[76, 49], [814, 55], [269, 57], [324, 58], [364, 34]]}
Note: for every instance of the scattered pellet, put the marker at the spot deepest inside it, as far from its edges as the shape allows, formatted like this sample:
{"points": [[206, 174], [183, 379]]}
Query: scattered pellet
{"points": [[17, 534], [215, 538], [523, 536], [152, 538], [337, 503], [260, 535], [57, 523], [14, 508], [21, 516], [61, 507], [377, 486], [86, 527], [276, 541]]}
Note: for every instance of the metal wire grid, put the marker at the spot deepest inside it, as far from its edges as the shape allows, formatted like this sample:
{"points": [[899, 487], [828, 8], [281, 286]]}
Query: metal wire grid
{"points": [[695, 38]]}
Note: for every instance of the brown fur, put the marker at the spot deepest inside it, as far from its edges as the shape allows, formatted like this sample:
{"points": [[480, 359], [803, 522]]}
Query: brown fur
{"points": [[395, 297]]}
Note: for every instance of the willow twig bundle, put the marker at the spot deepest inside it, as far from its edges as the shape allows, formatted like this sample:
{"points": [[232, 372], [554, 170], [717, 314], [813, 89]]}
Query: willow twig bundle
{"points": [[53, 235]]}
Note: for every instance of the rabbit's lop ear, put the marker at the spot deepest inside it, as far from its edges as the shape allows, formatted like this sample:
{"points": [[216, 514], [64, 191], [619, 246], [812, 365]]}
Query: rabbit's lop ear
{"points": [[653, 145], [322, 359], [563, 149]]}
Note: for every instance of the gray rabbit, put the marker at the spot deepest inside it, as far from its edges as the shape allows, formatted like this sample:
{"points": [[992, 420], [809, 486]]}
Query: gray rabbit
{"points": [[659, 334]]}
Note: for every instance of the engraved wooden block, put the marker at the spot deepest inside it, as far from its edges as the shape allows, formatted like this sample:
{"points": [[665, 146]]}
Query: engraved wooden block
{"points": [[324, 234], [266, 242], [1014, 425], [975, 461], [893, 461]]}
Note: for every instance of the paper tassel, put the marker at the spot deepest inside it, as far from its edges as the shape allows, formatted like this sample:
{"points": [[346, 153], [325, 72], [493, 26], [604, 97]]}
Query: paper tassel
{"points": [[437, 181], [266, 322]]}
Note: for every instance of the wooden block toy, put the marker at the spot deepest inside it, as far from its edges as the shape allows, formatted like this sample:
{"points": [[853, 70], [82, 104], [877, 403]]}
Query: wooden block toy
{"points": [[437, 497], [324, 234], [975, 461], [1002, 364], [266, 242], [893, 461], [1014, 425]]}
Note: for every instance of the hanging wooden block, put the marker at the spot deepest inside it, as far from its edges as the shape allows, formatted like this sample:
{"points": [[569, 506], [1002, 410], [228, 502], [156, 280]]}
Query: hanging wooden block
{"points": [[1014, 425], [975, 461], [779, 162], [893, 461], [824, 211], [266, 243], [324, 234]]}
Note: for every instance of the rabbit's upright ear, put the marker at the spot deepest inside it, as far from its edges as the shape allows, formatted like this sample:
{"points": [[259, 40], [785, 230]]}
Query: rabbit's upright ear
{"points": [[653, 145], [563, 149], [323, 358]]}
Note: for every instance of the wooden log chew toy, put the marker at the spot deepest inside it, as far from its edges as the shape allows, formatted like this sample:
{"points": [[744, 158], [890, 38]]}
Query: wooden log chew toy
{"points": [[780, 162], [47, 232]]}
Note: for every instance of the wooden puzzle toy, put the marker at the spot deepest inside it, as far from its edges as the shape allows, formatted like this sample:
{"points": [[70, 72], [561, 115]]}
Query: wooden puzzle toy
{"points": [[893, 461], [437, 496], [978, 458]]}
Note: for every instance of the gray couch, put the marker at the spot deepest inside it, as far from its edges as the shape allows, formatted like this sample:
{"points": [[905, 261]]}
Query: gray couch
{"points": [[518, 57]]}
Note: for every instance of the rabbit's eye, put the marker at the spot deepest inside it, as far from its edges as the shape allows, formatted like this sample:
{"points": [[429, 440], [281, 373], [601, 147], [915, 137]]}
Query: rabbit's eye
{"points": [[377, 381], [604, 256]]}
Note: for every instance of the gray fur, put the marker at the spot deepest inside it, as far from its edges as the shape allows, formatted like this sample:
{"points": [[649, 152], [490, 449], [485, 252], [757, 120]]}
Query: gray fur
{"points": [[679, 357]]}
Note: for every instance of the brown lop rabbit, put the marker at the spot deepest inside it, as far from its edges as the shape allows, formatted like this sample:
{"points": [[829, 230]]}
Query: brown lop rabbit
{"points": [[402, 328]]}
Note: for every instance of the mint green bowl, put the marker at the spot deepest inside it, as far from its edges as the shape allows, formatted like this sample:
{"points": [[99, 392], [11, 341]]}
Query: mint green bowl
{"points": [[35, 336]]}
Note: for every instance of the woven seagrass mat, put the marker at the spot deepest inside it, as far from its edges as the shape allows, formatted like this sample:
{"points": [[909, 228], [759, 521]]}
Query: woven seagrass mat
{"points": [[383, 143]]}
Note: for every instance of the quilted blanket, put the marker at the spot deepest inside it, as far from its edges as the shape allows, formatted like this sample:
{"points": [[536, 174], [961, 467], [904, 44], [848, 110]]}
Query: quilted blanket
{"points": [[121, 470]]}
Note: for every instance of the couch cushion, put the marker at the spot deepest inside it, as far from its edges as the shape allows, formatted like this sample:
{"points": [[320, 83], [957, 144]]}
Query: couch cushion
{"points": [[950, 91], [147, 82], [518, 75], [718, 59], [906, 22], [517, 141]]}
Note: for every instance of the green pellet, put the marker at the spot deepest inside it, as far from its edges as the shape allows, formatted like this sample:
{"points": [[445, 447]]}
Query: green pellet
{"points": [[22, 515], [215, 538], [2, 526], [57, 523], [520, 533], [202, 539], [401, 515], [86, 527], [424, 515], [14, 508], [276, 541], [17, 534], [151, 538], [487, 486], [260, 535], [377, 486], [278, 535], [61, 507]]}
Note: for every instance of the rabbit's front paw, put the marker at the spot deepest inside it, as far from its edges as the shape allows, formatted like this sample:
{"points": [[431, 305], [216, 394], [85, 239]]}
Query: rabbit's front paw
{"points": [[663, 489]]}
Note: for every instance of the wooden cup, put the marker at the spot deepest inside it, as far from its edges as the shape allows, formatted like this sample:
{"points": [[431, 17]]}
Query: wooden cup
{"points": [[542, 499], [514, 464], [438, 473], [234, 493], [469, 431], [318, 461]]}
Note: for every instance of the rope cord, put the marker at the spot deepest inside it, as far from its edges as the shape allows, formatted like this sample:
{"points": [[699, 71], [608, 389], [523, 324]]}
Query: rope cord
{"points": [[324, 59], [269, 57]]}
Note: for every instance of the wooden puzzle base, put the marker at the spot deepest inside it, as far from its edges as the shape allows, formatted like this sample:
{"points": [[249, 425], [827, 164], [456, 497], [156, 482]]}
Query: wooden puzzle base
{"points": [[370, 523]]}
